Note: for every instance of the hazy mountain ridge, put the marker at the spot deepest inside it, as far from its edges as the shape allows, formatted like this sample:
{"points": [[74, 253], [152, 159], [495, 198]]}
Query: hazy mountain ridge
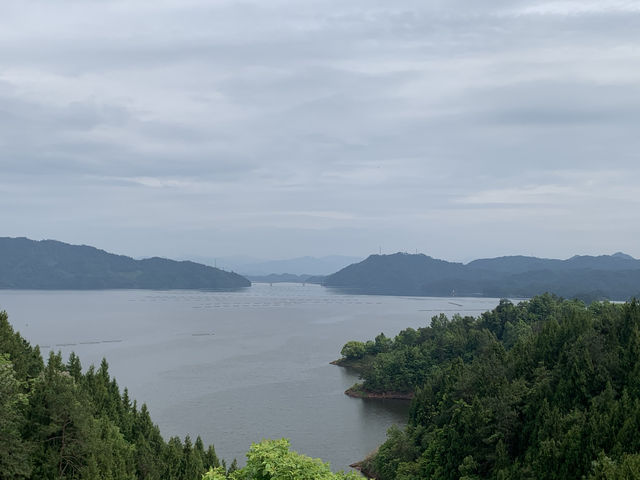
{"points": [[616, 276], [519, 263], [301, 266], [50, 264], [286, 278]]}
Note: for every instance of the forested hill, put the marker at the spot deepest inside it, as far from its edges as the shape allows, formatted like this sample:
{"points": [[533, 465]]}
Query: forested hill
{"points": [[614, 277], [546, 389], [49, 264]]}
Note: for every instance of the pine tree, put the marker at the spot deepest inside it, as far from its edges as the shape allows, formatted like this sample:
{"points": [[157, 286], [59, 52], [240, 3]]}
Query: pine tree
{"points": [[14, 451]]}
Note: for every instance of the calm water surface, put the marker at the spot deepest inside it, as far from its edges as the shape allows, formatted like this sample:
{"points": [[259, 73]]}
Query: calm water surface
{"points": [[236, 367]]}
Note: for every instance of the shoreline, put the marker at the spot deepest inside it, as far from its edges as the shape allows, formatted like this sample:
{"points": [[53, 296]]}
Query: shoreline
{"points": [[353, 364], [359, 466], [356, 391]]}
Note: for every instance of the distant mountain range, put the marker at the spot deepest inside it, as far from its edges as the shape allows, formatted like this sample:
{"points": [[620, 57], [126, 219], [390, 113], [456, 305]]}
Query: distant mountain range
{"points": [[286, 278], [616, 277], [300, 266], [49, 264]]}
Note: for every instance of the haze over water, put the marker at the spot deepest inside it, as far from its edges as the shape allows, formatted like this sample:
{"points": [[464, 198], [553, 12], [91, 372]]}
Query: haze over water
{"points": [[236, 367]]}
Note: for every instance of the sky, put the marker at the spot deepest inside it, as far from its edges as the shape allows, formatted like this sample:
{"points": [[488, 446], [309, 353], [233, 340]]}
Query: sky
{"points": [[286, 128]]}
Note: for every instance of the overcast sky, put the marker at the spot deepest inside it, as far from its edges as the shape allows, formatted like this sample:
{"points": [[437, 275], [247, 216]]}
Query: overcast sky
{"points": [[283, 128]]}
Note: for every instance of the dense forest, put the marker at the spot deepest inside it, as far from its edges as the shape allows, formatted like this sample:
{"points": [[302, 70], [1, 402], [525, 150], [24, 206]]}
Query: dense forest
{"points": [[546, 389], [57, 422], [613, 277], [48, 264]]}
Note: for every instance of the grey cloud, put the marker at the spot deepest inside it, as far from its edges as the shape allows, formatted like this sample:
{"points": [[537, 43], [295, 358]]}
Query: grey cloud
{"points": [[551, 117], [391, 121]]}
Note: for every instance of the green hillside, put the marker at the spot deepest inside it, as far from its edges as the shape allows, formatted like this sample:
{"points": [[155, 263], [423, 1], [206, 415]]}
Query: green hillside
{"points": [[546, 389], [613, 277], [48, 264]]}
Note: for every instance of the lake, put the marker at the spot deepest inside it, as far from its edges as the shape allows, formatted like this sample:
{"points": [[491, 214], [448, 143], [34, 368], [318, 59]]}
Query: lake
{"points": [[236, 367]]}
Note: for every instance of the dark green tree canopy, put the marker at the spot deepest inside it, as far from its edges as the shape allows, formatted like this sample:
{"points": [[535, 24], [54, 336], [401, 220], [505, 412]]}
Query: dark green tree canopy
{"points": [[546, 389]]}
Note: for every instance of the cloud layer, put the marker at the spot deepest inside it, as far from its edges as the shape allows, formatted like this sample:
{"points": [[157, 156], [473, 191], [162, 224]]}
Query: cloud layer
{"points": [[288, 128]]}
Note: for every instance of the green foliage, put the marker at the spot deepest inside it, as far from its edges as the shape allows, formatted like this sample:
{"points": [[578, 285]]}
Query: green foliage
{"points": [[353, 350], [272, 460], [546, 389], [14, 452], [60, 423], [217, 473], [626, 468], [26, 360]]}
